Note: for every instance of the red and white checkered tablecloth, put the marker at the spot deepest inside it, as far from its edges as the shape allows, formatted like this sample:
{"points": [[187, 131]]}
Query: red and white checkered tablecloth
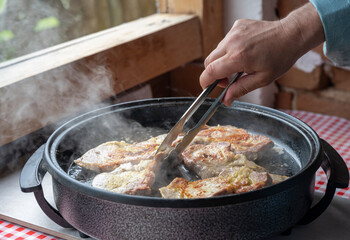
{"points": [[12, 231], [335, 130]]}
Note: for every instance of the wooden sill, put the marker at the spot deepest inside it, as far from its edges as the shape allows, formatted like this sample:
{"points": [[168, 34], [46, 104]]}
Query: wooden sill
{"points": [[178, 33]]}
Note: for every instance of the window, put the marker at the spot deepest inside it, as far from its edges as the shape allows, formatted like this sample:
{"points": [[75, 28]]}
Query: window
{"points": [[29, 26]]}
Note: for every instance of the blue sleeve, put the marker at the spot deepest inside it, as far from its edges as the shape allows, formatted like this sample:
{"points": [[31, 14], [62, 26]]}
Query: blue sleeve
{"points": [[335, 17]]}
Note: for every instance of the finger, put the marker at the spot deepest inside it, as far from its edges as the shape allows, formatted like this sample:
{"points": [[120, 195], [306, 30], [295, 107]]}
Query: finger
{"points": [[220, 68], [214, 55], [218, 52], [243, 86]]}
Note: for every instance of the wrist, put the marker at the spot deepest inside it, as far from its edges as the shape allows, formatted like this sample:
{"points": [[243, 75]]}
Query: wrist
{"points": [[304, 27]]}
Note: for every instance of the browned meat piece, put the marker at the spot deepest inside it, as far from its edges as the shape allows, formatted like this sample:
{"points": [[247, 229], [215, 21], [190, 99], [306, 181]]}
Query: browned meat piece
{"points": [[277, 178], [245, 179], [110, 155], [217, 155], [181, 188], [127, 179], [235, 180], [241, 161], [209, 160], [130, 178], [241, 141]]}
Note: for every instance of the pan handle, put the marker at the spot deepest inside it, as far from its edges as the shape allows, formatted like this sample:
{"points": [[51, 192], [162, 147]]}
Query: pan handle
{"points": [[30, 180], [338, 177]]}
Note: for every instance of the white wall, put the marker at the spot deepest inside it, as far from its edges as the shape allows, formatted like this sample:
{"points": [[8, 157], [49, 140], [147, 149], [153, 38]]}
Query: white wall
{"points": [[236, 9], [257, 10]]}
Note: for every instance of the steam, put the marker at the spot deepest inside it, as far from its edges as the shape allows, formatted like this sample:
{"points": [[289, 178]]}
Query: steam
{"points": [[50, 97], [43, 102], [33, 103]]}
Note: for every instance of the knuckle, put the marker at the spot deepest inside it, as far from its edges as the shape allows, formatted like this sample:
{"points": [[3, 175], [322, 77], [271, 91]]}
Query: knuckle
{"points": [[233, 56], [238, 22]]}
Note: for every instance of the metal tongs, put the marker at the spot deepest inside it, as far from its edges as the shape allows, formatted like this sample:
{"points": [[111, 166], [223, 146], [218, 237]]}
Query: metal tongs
{"points": [[170, 158]]}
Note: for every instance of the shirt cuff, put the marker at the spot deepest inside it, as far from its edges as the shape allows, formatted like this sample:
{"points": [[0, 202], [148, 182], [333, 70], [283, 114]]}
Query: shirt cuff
{"points": [[335, 17]]}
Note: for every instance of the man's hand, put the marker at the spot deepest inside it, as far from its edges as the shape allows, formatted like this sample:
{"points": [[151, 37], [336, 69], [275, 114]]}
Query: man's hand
{"points": [[263, 50]]}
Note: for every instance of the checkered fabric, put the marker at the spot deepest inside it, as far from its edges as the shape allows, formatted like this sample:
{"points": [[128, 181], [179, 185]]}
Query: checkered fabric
{"points": [[336, 131], [15, 232]]}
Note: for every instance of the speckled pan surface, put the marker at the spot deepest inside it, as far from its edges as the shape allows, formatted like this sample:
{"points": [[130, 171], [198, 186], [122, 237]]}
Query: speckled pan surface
{"points": [[257, 219]]}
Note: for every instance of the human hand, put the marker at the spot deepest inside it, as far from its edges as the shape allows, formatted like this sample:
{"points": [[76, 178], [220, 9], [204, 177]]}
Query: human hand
{"points": [[263, 50]]}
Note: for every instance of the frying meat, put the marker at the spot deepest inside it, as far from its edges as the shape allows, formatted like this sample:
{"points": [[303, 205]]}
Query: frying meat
{"points": [[277, 178], [235, 180], [241, 141], [210, 160], [110, 155], [221, 155], [222, 172], [246, 179], [180, 188], [130, 178]]}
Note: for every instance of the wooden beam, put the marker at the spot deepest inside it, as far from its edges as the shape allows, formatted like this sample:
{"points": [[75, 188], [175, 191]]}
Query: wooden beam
{"points": [[210, 13], [92, 69], [148, 57], [155, 27]]}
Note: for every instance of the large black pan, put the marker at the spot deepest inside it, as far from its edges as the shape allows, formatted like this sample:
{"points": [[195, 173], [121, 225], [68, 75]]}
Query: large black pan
{"points": [[252, 215]]}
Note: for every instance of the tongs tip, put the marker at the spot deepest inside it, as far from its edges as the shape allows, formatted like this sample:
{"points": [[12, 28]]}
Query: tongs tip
{"points": [[172, 154]]}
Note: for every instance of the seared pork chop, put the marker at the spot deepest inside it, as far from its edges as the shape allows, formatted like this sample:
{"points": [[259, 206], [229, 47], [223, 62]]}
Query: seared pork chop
{"points": [[235, 180], [181, 188], [241, 141], [211, 159], [134, 182], [110, 155], [130, 178], [277, 178], [245, 179], [217, 154]]}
